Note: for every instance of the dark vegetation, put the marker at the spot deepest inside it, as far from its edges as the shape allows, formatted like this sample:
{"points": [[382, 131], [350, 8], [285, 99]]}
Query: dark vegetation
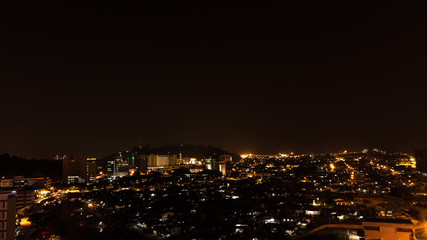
{"points": [[17, 166]]}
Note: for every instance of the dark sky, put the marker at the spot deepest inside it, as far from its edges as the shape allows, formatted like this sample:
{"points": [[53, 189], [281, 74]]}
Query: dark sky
{"points": [[265, 77]]}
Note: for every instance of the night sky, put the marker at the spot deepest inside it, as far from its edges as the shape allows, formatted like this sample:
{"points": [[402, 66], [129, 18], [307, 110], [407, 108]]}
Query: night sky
{"points": [[247, 76]]}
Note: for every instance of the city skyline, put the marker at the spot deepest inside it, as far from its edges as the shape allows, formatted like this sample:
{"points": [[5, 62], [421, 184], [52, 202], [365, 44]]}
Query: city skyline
{"points": [[146, 195], [240, 153], [160, 119]]}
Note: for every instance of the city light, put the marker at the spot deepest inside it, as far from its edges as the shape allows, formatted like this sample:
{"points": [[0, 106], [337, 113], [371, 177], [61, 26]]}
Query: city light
{"points": [[290, 120]]}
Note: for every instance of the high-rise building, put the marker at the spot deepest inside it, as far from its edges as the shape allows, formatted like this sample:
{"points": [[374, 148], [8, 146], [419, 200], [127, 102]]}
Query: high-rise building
{"points": [[24, 197], [226, 158], [220, 165], [122, 168], [421, 159], [208, 163], [111, 169], [91, 169], [141, 163], [7, 216], [74, 170], [156, 161], [180, 158], [78, 170]]}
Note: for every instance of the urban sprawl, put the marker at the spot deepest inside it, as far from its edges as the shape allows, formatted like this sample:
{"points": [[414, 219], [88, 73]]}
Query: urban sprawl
{"points": [[371, 194]]}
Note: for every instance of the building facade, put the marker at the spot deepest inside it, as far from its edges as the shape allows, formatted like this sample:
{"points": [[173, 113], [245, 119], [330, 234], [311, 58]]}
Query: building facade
{"points": [[7, 216], [389, 229], [79, 170], [141, 163], [421, 159], [21, 182], [24, 197], [156, 161], [221, 163], [91, 169]]}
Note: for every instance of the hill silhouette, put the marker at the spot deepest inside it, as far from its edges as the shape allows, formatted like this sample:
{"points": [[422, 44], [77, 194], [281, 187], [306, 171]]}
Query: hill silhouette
{"points": [[187, 150], [17, 166]]}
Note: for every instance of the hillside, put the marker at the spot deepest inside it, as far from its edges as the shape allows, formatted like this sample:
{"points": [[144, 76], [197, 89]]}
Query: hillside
{"points": [[16, 166]]}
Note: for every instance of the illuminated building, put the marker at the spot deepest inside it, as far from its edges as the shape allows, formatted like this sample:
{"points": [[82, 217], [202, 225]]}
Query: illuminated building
{"points": [[91, 169], [421, 159], [78, 170], [74, 170], [6, 183], [141, 163], [122, 166], [389, 229], [60, 157], [375, 229], [111, 167], [180, 158], [226, 158], [155, 161], [189, 160], [7, 216], [208, 163], [222, 168], [406, 162], [20, 182], [220, 165], [24, 197]]}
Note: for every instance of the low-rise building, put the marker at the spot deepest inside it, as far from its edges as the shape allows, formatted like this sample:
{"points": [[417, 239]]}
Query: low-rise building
{"points": [[389, 229], [7, 215]]}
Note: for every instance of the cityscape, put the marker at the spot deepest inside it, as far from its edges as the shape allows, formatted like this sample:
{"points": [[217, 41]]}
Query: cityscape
{"points": [[213, 120], [203, 192]]}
